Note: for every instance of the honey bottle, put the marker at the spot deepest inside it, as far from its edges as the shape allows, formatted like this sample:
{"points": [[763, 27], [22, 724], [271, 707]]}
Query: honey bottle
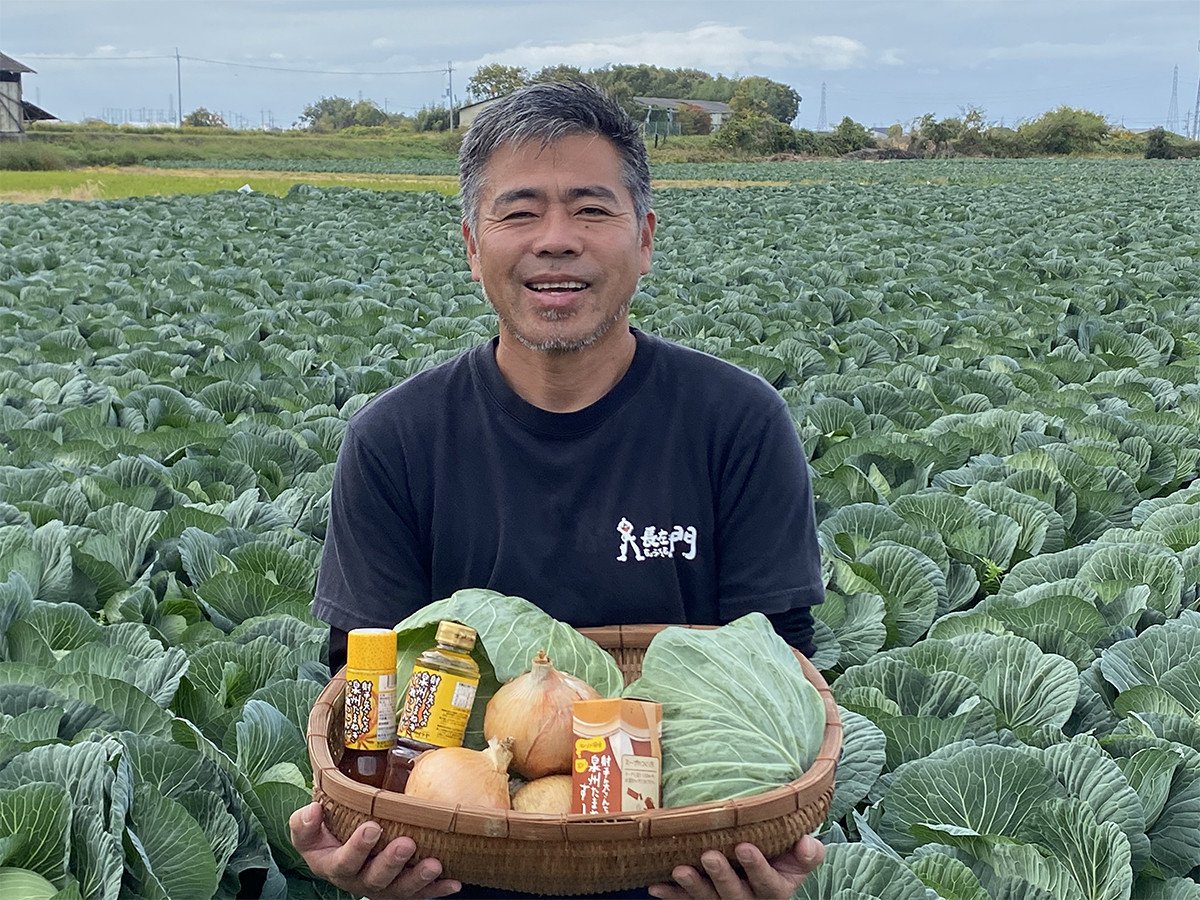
{"points": [[441, 689], [370, 724]]}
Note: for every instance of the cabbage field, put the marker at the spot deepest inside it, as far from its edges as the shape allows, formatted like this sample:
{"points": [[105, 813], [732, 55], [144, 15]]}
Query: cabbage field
{"points": [[994, 366]]}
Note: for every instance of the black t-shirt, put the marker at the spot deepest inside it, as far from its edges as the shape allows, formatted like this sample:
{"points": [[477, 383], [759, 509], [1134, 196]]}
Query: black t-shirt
{"points": [[681, 496]]}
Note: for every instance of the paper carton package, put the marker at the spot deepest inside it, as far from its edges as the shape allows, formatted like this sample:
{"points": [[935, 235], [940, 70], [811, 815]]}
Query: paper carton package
{"points": [[618, 756]]}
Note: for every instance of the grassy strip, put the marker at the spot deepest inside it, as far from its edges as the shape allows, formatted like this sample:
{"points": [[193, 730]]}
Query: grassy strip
{"points": [[109, 183], [114, 184], [62, 146]]}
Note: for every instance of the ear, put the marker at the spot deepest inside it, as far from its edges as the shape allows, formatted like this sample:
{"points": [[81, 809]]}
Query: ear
{"points": [[472, 251], [646, 240]]}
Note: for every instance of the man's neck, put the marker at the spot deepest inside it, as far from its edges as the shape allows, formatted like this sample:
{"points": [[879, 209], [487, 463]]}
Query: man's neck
{"points": [[566, 382]]}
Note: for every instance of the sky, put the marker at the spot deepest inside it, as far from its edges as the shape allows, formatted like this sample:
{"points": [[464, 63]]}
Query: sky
{"points": [[261, 62]]}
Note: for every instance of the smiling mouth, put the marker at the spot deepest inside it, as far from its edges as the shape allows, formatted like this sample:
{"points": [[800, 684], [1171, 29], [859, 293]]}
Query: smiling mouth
{"points": [[556, 287]]}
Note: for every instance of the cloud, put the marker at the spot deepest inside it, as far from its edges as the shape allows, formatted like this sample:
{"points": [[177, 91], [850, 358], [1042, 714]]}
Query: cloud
{"points": [[891, 57], [710, 46], [383, 43], [1048, 50]]}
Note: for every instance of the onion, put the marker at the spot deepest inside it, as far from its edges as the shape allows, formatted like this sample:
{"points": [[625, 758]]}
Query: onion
{"points": [[535, 709], [458, 776], [551, 794]]}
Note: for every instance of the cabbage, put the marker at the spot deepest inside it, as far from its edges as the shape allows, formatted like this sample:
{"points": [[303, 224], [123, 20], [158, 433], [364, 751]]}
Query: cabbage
{"points": [[739, 717], [25, 884]]}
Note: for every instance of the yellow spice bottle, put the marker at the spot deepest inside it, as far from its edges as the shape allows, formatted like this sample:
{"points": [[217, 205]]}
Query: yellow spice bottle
{"points": [[370, 725], [441, 690]]}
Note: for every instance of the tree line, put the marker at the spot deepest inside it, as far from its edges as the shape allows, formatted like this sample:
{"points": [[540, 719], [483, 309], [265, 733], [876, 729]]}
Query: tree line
{"points": [[762, 112]]}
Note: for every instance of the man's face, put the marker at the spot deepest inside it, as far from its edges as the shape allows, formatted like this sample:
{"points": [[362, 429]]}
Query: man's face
{"points": [[558, 246]]}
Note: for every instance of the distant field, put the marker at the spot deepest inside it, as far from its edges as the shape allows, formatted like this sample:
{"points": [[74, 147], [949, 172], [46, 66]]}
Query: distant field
{"points": [[404, 174], [109, 183]]}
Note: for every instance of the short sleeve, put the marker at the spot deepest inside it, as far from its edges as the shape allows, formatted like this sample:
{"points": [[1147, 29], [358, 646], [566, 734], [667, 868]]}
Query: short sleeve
{"points": [[768, 557], [372, 573]]}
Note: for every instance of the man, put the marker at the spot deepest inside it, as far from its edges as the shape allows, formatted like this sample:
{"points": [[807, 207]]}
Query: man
{"points": [[606, 475]]}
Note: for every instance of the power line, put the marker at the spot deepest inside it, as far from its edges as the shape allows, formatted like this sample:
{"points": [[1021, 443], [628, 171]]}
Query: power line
{"points": [[242, 65], [94, 58]]}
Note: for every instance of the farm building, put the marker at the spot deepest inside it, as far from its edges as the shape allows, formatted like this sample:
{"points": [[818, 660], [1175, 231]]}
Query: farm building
{"points": [[467, 114], [14, 110], [662, 113]]}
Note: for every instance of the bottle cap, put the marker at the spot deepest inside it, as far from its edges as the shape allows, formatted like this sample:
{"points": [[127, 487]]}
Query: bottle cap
{"points": [[456, 635], [371, 649]]}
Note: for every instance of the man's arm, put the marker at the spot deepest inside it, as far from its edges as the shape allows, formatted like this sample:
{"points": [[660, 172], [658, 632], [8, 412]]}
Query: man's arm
{"points": [[372, 571], [337, 648], [796, 627], [769, 559]]}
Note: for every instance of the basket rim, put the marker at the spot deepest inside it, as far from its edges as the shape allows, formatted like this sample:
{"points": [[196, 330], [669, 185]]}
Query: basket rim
{"points": [[736, 812]]}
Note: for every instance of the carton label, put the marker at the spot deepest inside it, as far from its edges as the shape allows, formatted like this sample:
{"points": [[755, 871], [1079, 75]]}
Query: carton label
{"points": [[617, 763]]}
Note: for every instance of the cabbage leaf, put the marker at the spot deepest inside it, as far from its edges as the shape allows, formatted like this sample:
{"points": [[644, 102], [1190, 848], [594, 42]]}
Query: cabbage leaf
{"points": [[739, 717]]}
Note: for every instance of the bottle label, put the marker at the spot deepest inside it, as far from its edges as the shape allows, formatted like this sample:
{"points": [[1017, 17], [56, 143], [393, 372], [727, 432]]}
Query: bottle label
{"points": [[370, 710], [437, 705]]}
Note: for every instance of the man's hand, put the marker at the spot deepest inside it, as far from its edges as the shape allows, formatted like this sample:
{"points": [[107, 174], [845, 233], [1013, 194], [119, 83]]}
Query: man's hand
{"points": [[354, 867], [776, 879]]}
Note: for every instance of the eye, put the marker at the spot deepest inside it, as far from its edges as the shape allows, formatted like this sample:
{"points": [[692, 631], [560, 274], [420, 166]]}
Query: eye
{"points": [[593, 211]]}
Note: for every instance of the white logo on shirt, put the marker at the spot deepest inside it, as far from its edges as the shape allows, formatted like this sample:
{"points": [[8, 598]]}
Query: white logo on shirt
{"points": [[655, 541]]}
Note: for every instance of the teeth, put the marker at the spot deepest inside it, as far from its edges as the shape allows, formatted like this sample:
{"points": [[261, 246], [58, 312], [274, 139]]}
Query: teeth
{"points": [[558, 286]]}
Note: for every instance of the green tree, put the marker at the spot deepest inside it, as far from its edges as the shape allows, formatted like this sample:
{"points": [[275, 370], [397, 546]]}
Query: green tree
{"points": [[933, 136], [328, 114], [1005, 143], [849, 136], [365, 112], [694, 120], [432, 118], [495, 80], [970, 133], [1065, 130], [1157, 145], [756, 132], [202, 118], [560, 73], [765, 95]]}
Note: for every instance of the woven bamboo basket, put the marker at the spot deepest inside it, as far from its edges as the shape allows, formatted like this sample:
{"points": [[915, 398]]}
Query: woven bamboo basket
{"points": [[574, 854]]}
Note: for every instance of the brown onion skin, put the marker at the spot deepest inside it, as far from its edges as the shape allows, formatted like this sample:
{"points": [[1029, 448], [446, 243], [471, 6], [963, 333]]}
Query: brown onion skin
{"points": [[457, 776], [535, 710], [550, 794]]}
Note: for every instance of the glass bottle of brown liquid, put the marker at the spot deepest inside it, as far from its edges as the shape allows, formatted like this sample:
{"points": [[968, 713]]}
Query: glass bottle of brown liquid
{"points": [[370, 723], [441, 689]]}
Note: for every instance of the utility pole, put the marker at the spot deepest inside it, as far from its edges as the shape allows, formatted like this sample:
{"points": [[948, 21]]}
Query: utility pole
{"points": [[450, 91], [1173, 107], [1196, 108], [179, 86]]}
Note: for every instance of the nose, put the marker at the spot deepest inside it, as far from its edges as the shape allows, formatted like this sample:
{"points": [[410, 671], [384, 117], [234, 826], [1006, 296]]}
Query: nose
{"points": [[558, 234]]}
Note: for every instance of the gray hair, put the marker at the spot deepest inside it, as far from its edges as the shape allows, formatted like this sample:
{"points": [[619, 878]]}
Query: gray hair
{"points": [[546, 112]]}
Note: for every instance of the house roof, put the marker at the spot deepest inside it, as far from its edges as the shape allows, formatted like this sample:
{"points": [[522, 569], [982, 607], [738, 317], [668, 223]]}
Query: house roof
{"points": [[8, 64], [36, 113], [709, 106], [488, 102]]}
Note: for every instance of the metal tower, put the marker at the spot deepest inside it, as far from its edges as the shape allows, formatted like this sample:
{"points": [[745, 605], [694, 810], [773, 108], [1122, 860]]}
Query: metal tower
{"points": [[1173, 108], [1196, 108], [822, 122]]}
